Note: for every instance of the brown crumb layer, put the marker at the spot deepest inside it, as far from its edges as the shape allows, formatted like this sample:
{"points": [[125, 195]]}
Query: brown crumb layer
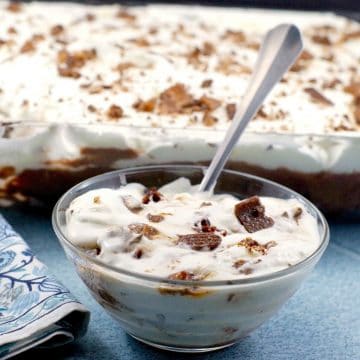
{"points": [[325, 189]]}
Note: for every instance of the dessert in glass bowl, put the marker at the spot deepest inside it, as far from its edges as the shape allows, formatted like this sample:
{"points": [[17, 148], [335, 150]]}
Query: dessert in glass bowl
{"points": [[185, 270], [85, 89]]}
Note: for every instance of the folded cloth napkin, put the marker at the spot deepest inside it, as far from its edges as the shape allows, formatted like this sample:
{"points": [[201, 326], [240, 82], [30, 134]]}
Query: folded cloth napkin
{"points": [[35, 308]]}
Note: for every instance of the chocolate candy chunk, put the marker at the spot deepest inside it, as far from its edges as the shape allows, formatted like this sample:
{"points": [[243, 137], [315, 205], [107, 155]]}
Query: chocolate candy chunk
{"points": [[201, 241], [316, 96], [69, 63], [353, 89], [138, 253], [208, 119], [238, 37], [322, 40], [115, 112], [155, 218], [208, 103], [121, 67], [76, 59], [126, 16], [31, 44], [57, 30], [205, 203], [251, 215], [152, 194], [145, 106], [204, 225], [253, 247], [144, 229], [132, 203], [306, 55], [230, 110], [182, 275], [239, 263], [174, 99], [297, 214], [247, 271], [206, 83]]}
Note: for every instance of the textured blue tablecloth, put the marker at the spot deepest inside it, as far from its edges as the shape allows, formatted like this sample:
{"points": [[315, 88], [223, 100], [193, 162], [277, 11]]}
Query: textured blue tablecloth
{"points": [[322, 320]]}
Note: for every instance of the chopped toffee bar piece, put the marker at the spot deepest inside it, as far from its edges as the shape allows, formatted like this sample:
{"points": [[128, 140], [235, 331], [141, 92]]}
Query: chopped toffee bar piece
{"points": [[57, 30], [201, 241], [238, 263], [251, 215], [146, 106], [318, 97], [230, 111], [69, 63], [175, 100], [152, 194], [115, 112], [133, 204], [204, 225], [297, 214], [138, 253], [182, 275], [144, 229], [254, 247], [206, 83], [155, 218]]}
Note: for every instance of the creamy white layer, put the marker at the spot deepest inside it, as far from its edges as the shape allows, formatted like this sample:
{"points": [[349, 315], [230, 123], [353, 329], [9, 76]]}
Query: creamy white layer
{"points": [[114, 220], [304, 153], [33, 90]]}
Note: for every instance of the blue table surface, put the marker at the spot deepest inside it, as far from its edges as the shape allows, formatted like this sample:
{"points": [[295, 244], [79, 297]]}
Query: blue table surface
{"points": [[321, 321]]}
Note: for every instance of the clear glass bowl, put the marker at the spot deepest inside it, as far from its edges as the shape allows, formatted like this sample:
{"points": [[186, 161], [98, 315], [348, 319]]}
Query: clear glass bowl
{"points": [[186, 316]]}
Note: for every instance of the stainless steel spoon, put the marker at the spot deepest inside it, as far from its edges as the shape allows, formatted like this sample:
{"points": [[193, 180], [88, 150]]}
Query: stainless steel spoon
{"points": [[279, 50]]}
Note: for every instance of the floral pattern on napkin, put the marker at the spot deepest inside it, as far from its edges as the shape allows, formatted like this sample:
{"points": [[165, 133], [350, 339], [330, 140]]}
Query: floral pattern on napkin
{"points": [[32, 302]]}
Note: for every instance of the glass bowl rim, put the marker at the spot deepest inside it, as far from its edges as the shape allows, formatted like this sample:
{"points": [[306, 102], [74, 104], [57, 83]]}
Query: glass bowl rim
{"points": [[204, 283]]}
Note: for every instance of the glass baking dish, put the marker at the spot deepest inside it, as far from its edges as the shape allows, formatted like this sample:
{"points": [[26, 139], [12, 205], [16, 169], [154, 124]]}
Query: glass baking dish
{"points": [[40, 161]]}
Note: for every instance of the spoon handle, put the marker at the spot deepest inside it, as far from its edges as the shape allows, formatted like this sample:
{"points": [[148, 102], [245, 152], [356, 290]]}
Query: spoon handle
{"points": [[279, 50]]}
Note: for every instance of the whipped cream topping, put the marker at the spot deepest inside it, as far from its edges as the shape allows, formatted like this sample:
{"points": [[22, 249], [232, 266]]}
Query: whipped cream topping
{"points": [[179, 233], [170, 67]]}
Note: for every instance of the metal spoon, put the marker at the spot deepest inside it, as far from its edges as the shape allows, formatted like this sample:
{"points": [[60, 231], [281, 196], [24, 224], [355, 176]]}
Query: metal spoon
{"points": [[279, 50]]}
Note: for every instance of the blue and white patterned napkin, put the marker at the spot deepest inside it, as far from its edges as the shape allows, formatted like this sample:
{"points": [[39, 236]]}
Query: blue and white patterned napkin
{"points": [[35, 308]]}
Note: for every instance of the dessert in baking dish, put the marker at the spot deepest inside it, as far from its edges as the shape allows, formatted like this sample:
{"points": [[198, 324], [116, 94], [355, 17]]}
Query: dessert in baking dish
{"points": [[85, 89]]}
